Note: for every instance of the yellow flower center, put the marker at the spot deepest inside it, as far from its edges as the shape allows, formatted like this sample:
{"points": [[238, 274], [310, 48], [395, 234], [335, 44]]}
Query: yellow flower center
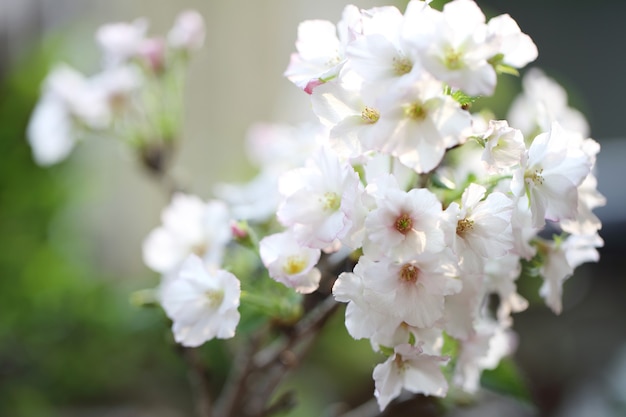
{"points": [[453, 59], [331, 201], [294, 265], [214, 297], [415, 111], [463, 226], [402, 65], [535, 177], [370, 115]]}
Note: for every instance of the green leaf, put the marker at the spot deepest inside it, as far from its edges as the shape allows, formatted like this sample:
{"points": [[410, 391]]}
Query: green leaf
{"points": [[506, 379]]}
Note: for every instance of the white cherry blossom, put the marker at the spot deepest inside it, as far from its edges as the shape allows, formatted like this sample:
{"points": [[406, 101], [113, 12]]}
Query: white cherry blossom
{"points": [[202, 303], [453, 45], [322, 201], [289, 263], [542, 102], [517, 48], [403, 224], [188, 31], [420, 122], [411, 369], [551, 175], [482, 223], [411, 290], [190, 225]]}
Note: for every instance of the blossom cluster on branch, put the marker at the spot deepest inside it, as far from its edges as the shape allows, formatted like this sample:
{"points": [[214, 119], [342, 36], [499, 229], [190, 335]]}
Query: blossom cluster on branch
{"points": [[418, 209]]}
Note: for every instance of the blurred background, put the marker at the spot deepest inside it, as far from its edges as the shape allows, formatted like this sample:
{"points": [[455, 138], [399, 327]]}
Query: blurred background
{"points": [[71, 343]]}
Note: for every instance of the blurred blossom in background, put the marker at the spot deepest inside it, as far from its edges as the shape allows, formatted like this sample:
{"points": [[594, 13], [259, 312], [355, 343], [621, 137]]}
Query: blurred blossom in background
{"points": [[72, 344]]}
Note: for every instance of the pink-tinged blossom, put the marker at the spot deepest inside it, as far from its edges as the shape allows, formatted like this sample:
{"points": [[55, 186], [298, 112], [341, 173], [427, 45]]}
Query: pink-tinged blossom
{"points": [[453, 44], [289, 263], [190, 225], [202, 303], [482, 223], [322, 201], [420, 122], [411, 369], [517, 48], [542, 102], [554, 169], [412, 290], [403, 224], [188, 31]]}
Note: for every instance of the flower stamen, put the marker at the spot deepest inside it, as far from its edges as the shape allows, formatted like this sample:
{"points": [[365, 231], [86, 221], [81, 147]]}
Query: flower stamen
{"points": [[409, 273], [464, 225], [402, 65], [370, 115], [294, 265], [331, 201], [404, 224]]}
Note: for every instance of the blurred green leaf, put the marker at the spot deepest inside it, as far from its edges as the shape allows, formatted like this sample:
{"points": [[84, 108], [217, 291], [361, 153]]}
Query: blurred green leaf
{"points": [[506, 379]]}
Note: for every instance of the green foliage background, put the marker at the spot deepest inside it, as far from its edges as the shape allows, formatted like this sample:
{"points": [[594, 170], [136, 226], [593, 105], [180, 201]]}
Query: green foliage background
{"points": [[67, 336]]}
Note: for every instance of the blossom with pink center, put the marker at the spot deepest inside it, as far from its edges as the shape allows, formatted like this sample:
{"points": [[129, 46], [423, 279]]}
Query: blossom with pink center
{"points": [[412, 290], [403, 224]]}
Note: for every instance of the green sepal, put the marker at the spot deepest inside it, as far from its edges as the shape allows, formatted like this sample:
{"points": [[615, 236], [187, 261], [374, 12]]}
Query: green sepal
{"points": [[144, 298], [386, 350], [501, 68]]}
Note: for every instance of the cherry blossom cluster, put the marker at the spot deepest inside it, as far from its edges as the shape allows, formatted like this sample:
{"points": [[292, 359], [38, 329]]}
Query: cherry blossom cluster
{"points": [[429, 210], [136, 97]]}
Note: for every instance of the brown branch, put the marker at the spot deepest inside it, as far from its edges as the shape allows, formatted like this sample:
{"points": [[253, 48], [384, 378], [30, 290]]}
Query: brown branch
{"points": [[231, 396], [273, 367], [198, 381]]}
